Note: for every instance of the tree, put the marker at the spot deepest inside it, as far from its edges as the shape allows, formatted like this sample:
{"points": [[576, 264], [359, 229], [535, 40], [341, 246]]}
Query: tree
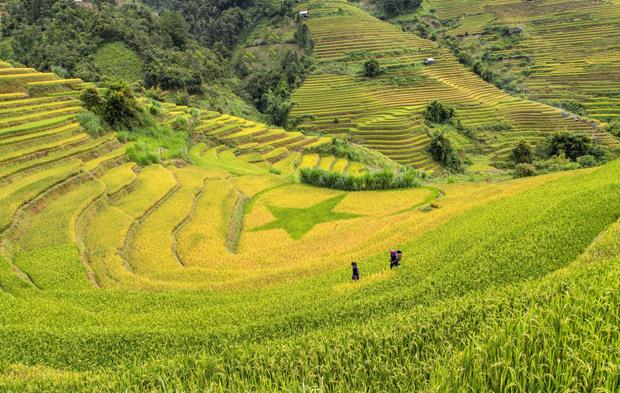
{"points": [[613, 128], [173, 23], [118, 107], [372, 68], [524, 170], [522, 153], [277, 104], [92, 100], [436, 112], [571, 145], [393, 8], [442, 151]]}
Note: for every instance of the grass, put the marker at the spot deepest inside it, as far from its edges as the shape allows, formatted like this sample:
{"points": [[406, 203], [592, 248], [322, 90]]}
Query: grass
{"points": [[117, 61]]}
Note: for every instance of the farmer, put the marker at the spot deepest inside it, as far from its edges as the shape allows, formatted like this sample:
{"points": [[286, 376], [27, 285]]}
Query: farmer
{"points": [[393, 259], [356, 271]]}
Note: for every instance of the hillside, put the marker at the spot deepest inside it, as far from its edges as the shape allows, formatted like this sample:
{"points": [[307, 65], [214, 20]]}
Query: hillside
{"points": [[216, 273], [384, 112], [571, 47]]}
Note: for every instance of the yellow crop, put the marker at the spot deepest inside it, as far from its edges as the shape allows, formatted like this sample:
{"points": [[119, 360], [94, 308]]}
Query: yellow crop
{"points": [[154, 183], [202, 242], [152, 248]]}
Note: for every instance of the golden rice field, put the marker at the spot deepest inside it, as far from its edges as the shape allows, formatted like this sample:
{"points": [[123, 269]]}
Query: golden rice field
{"points": [[223, 275]]}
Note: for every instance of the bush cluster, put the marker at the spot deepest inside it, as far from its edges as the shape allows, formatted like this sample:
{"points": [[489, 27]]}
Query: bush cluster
{"points": [[436, 112], [442, 151], [560, 152], [117, 106], [382, 180], [372, 68]]}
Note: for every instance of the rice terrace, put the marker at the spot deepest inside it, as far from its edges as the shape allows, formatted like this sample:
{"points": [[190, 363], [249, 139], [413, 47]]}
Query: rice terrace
{"points": [[309, 196]]}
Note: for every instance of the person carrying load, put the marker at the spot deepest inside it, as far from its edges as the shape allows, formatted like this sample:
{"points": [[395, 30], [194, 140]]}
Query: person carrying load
{"points": [[393, 259], [356, 271]]}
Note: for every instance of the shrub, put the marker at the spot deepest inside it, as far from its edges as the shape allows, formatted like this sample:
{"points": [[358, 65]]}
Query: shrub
{"points": [[92, 100], [442, 151], [121, 107], [195, 113], [587, 161], [60, 71], [372, 68], [522, 153], [555, 164], [382, 180], [571, 145], [143, 154], [180, 123], [91, 123], [345, 148], [118, 107], [613, 128], [155, 109], [436, 112], [524, 170]]}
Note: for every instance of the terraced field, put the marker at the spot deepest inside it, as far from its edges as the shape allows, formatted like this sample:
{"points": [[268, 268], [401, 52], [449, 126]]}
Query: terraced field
{"points": [[385, 112], [222, 276], [243, 147], [573, 46]]}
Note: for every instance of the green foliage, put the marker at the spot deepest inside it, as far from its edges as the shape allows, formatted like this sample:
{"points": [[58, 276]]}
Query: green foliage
{"points": [[436, 112], [275, 171], [155, 109], [143, 154], [173, 23], [524, 170], [382, 180], [587, 161], [569, 145], [343, 148], [270, 90], [92, 100], [117, 107], [180, 123], [372, 68], [220, 24], [393, 8], [60, 71], [303, 38], [555, 164], [522, 153], [442, 151], [117, 61], [91, 43], [277, 104], [91, 123], [613, 128]]}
